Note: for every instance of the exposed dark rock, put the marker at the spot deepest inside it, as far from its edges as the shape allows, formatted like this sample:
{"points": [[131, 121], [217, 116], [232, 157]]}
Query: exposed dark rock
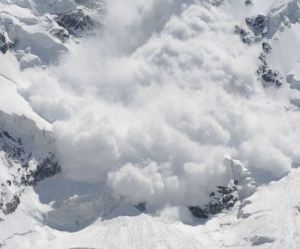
{"points": [[248, 2], [75, 22], [227, 197], [47, 168], [13, 147], [244, 34], [258, 28], [215, 207], [297, 208], [198, 212], [216, 2], [11, 206], [269, 76], [258, 24], [5, 43], [30, 170], [223, 199], [141, 207], [260, 240], [61, 34], [267, 48]]}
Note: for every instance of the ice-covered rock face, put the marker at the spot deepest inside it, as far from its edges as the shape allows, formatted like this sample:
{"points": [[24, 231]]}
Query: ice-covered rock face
{"points": [[39, 30], [27, 157], [75, 22], [5, 44]]}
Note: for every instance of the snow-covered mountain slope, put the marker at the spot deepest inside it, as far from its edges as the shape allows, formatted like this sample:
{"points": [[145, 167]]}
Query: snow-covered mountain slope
{"points": [[149, 124], [268, 219], [38, 31]]}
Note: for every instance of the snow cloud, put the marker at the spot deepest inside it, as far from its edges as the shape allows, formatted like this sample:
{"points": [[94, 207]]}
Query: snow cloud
{"points": [[154, 103]]}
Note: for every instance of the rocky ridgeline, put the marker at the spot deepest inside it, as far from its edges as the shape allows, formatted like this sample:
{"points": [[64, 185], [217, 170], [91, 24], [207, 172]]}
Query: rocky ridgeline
{"points": [[37, 33], [269, 76], [259, 28], [21, 164], [256, 33], [263, 29]]}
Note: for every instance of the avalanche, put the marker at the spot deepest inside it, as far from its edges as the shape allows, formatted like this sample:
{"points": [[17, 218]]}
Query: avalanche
{"points": [[149, 124]]}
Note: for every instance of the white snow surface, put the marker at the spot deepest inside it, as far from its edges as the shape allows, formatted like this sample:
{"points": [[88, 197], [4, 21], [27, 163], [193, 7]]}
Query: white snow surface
{"points": [[268, 219], [150, 109]]}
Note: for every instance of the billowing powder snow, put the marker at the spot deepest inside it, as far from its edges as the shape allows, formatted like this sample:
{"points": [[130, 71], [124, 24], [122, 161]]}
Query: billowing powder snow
{"points": [[152, 108], [155, 101]]}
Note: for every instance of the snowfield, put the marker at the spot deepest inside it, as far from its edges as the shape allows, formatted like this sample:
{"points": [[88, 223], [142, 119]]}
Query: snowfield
{"points": [[268, 219], [149, 124]]}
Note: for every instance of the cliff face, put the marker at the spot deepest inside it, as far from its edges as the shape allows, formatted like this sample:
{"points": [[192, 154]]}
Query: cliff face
{"points": [[27, 157]]}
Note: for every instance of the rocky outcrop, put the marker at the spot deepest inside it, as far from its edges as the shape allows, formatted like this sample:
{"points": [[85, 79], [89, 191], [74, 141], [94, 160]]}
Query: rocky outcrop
{"points": [[5, 43], [258, 30], [36, 33], [224, 198], [245, 35], [267, 26], [10, 206], [27, 155], [258, 25], [269, 76], [75, 22]]}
